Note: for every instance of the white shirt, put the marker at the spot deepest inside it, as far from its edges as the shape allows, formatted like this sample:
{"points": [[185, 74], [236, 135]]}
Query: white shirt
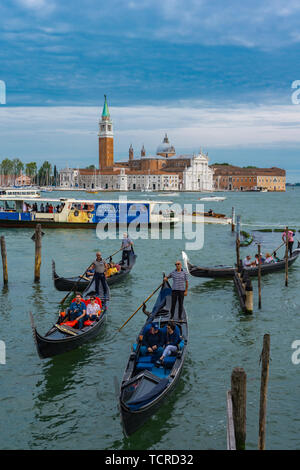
{"points": [[247, 262], [93, 309]]}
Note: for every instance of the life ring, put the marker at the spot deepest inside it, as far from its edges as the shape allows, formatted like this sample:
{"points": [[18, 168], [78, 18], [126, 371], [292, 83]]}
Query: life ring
{"points": [[76, 213], [90, 215]]}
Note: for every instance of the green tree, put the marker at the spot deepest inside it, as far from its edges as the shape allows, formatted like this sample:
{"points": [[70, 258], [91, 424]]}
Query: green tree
{"points": [[45, 174], [7, 167], [31, 170], [18, 167]]}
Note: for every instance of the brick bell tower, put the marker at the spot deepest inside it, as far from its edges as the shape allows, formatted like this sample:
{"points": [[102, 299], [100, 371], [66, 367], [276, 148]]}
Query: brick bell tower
{"points": [[106, 139]]}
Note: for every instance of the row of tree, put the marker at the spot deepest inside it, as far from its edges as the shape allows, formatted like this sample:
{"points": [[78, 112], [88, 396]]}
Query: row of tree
{"points": [[43, 176]]}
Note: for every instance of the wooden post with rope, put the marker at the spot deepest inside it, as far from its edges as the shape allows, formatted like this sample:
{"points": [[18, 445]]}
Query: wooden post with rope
{"points": [[265, 359], [259, 276], [38, 252], [286, 257], [4, 261]]}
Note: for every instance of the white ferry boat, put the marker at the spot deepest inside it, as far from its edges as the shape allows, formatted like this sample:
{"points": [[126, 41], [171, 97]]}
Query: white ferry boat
{"points": [[212, 199], [19, 193], [205, 218], [82, 213]]}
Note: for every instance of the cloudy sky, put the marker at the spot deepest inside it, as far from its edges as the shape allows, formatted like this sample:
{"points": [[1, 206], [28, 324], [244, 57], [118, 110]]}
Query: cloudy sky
{"points": [[215, 75]]}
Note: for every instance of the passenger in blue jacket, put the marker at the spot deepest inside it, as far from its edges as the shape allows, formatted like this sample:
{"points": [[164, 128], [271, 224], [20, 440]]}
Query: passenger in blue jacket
{"points": [[153, 341], [171, 340]]}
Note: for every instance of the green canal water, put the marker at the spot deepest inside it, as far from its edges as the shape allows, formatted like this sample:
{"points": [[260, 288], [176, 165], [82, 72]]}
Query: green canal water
{"points": [[69, 402]]}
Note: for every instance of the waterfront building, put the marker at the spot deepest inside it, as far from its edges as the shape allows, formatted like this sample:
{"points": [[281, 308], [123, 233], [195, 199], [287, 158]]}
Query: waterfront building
{"points": [[163, 171], [235, 178]]}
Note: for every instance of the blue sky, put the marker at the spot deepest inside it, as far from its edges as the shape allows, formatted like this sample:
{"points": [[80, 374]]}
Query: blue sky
{"points": [[215, 60]]}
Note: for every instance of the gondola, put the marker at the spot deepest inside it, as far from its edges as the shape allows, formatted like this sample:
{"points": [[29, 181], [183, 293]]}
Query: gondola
{"points": [[81, 282], [145, 386], [222, 271], [61, 338]]}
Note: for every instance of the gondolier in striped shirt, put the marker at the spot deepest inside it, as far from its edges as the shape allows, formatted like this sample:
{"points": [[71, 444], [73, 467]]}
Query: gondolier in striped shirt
{"points": [[127, 247], [179, 288]]}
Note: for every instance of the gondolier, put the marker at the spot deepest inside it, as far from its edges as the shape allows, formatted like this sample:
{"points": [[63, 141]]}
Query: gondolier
{"points": [[100, 266], [127, 247], [179, 288], [290, 240]]}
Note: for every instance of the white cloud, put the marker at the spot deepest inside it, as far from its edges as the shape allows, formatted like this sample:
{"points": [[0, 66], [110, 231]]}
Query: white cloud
{"points": [[71, 132], [41, 6]]}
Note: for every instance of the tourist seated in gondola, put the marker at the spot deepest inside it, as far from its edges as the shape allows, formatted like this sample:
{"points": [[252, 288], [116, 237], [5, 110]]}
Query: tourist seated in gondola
{"points": [[97, 299], [276, 259], [262, 259], [269, 258], [93, 309], [152, 341], [77, 312], [172, 339], [90, 272], [111, 270], [247, 263]]}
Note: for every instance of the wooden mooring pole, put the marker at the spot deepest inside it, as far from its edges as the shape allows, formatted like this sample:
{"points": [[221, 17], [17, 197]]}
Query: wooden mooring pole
{"points": [[231, 445], [233, 219], [286, 257], [238, 393], [265, 359], [38, 252], [249, 296], [259, 276], [4, 261], [238, 241]]}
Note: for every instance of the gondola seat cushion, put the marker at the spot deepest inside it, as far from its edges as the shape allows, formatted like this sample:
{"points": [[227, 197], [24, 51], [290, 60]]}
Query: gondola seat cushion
{"points": [[71, 323], [144, 363], [169, 361], [88, 322]]}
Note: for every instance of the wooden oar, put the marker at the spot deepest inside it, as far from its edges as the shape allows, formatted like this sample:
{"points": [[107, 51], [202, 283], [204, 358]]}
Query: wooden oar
{"points": [[278, 248], [114, 254], [73, 288], [148, 298], [83, 276]]}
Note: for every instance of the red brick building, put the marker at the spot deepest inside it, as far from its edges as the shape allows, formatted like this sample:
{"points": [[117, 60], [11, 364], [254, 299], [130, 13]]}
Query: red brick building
{"points": [[235, 178]]}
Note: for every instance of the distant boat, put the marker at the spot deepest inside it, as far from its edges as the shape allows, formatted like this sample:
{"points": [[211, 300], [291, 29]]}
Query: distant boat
{"points": [[170, 194], [92, 192], [212, 198]]}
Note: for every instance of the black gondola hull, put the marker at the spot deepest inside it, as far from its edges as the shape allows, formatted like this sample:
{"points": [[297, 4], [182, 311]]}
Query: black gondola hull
{"points": [[65, 284], [134, 417], [57, 342], [133, 420], [49, 348], [228, 271]]}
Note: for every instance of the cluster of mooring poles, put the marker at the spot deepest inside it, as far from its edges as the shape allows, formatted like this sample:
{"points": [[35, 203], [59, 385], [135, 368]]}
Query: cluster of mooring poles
{"points": [[237, 401], [37, 238], [242, 280]]}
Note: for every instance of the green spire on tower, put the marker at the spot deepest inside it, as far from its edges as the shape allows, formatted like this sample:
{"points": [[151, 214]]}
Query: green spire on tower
{"points": [[105, 112]]}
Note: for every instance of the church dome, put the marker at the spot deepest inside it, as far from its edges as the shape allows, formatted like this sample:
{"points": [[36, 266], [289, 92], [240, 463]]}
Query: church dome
{"points": [[165, 148]]}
